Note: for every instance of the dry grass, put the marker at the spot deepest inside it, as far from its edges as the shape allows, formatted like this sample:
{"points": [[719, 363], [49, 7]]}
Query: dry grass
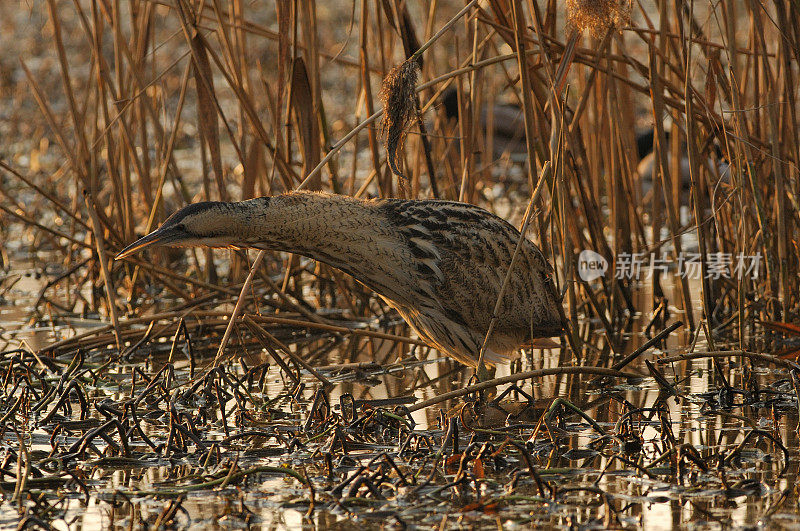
{"points": [[148, 106], [113, 114]]}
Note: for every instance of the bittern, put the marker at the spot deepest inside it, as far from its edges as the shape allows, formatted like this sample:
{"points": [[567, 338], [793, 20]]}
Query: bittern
{"points": [[440, 264]]}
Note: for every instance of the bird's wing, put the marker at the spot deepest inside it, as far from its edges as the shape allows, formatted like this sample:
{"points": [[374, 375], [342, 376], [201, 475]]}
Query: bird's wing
{"points": [[464, 252]]}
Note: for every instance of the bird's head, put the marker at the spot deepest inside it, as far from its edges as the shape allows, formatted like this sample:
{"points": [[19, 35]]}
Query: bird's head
{"points": [[207, 224]]}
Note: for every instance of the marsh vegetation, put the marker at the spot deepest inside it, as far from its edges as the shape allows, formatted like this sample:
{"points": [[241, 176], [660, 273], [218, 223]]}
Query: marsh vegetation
{"points": [[651, 146]]}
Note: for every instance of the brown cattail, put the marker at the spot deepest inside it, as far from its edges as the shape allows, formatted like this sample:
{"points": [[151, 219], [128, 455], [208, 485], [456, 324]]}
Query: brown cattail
{"points": [[398, 95], [598, 16]]}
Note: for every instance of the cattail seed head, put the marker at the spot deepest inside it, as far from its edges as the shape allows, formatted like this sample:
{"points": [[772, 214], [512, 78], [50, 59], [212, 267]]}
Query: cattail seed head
{"points": [[398, 95], [598, 16]]}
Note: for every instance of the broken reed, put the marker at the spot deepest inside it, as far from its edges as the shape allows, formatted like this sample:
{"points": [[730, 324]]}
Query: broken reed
{"points": [[268, 88]]}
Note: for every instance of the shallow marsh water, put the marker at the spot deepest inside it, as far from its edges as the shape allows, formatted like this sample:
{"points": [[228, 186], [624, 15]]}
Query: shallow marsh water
{"points": [[581, 478]]}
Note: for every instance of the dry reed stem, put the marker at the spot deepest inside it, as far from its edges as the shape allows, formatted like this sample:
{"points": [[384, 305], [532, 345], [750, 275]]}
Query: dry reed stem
{"points": [[238, 307], [111, 122], [288, 351], [108, 281], [538, 373], [526, 219]]}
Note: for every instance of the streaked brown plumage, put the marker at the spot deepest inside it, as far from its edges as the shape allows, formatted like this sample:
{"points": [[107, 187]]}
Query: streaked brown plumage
{"points": [[439, 263]]}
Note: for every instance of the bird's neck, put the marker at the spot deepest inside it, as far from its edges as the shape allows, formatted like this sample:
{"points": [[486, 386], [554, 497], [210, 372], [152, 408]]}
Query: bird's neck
{"points": [[304, 222], [337, 230]]}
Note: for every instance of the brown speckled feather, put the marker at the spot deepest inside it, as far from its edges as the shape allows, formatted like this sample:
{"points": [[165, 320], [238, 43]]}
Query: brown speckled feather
{"points": [[471, 250]]}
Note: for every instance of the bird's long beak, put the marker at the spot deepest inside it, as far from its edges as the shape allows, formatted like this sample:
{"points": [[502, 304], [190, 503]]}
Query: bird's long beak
{"points": [[161, 236]]}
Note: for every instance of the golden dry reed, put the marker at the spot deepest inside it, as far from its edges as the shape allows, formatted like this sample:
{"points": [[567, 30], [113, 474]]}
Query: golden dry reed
{"points": [[148, 106]]}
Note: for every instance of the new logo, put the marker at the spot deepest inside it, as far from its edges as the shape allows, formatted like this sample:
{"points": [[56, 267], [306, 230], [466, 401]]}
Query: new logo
{"points": [[591, 265]]}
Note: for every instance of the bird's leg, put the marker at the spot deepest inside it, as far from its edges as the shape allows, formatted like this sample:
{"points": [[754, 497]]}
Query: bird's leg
{"points": [[483, 374]]}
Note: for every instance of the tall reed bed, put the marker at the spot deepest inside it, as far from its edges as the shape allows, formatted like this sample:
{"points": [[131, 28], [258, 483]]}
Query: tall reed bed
{"points": [[150, 105]]}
